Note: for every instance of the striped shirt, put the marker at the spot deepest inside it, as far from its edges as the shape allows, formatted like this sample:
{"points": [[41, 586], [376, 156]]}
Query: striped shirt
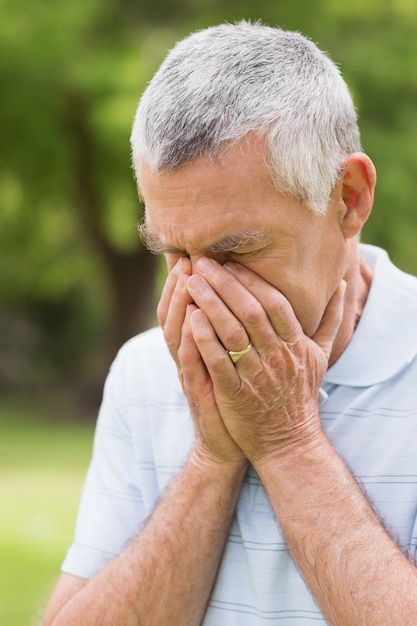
{"points": [[368, 407]]}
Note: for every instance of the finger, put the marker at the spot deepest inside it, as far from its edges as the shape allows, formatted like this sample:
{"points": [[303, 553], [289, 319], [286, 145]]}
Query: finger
{"points": [[278, 309], [188, 352], [172, 309], [210, 431], [263, 311], [215, 357], [331, 320], [226, 325], [190, 361], [170, 284], [176, 316]]}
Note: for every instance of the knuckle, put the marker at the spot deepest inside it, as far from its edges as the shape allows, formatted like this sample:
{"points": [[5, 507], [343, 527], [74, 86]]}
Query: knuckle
{"points": [[170, 340], [278, 307], [234, 338], [180, 354], [161, 314], [217, 364], [183, 354], [253, 313]]}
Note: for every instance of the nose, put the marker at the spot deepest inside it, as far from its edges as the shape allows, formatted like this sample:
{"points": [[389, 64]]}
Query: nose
{"points": [[218, 257]]}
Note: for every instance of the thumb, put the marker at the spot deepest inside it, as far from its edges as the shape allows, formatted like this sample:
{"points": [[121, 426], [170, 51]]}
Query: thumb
{"points": [[331, 320]]}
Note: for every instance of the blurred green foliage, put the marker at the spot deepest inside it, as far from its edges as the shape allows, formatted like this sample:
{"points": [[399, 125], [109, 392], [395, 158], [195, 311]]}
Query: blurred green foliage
{"points": [[71, 75]]}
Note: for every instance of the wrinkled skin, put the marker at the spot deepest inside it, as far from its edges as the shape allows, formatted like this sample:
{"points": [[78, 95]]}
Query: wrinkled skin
{"points": [[249, 264], [268, 399]]}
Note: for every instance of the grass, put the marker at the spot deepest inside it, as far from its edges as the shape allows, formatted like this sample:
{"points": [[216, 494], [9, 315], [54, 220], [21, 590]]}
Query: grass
{"points": [[43, 460]]}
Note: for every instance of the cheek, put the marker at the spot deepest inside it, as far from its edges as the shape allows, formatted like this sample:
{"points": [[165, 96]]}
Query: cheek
{"points": [[308, 314], [309, 300]]}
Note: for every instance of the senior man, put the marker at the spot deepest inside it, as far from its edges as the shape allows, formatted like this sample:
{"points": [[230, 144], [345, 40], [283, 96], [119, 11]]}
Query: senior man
{"points": [[255, 457]]}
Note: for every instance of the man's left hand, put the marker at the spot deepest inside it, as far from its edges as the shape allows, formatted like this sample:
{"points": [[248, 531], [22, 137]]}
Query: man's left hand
{"points": [[268, 400]]}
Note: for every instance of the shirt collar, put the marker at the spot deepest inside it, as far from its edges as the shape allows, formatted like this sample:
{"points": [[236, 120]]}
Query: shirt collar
{"points": [[385, 339]]}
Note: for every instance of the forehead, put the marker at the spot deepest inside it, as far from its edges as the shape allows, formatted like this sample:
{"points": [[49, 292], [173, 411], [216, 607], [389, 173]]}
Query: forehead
{"points": [[209, 199]]}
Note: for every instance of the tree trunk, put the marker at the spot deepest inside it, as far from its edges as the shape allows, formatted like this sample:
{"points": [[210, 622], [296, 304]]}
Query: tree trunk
{"points": [[131, 276], [132, 281]]}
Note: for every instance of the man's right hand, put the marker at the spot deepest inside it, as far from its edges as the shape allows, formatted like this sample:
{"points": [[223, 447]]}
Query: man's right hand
{"points": [[213, 443]]}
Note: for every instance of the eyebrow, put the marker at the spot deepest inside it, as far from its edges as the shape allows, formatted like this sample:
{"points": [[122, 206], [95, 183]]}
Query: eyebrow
{"points": [[228, 243]]}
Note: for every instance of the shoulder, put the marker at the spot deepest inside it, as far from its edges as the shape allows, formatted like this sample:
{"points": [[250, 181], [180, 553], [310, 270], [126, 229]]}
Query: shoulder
{"points": [[145, 355], [385, 340], [149, 342], [143, 371]]}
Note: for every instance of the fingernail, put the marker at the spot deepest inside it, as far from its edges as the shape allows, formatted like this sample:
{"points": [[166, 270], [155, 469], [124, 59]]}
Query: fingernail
{"points": [[196, 283], [182, 282], [205, 265], [233, 268], [178, 267]]}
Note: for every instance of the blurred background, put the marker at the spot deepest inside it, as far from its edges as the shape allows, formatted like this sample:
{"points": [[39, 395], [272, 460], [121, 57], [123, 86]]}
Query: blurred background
{"points": [[75, 282]]}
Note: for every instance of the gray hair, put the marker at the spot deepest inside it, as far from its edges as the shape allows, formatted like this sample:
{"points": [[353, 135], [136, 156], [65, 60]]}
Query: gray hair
{"points": [[220, 84]]}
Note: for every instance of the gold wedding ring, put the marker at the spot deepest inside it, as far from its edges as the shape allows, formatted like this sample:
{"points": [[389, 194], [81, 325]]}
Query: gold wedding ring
{"points": [[235, 356]]}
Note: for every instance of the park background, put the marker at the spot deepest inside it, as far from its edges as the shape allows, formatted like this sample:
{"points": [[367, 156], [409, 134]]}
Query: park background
{"points": [[75, 282]]}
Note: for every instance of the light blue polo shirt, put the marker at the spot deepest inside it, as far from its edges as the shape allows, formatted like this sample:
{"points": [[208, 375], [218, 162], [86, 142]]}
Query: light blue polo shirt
{"points": [[144, 433]]}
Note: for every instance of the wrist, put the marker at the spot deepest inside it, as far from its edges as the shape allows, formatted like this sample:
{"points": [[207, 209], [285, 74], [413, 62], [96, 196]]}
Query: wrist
{"points": [[292, 438], [297, 457], [201, 460]]}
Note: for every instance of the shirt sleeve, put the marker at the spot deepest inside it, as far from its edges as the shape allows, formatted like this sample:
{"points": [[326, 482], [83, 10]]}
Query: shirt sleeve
{"points": [[111, 510]]}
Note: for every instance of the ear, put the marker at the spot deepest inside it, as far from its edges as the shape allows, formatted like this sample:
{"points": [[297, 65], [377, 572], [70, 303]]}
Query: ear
{"points": [[357, 192]]}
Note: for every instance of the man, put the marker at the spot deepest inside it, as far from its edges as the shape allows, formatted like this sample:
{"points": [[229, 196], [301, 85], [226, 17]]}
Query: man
{"points": [[255, 458]]}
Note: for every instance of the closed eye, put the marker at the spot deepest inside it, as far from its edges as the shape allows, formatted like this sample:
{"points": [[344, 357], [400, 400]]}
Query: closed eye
{"points": [[245, 253]]}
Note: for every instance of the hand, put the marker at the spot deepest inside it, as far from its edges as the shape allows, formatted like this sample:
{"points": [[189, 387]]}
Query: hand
{"points": [[269, 399], [212, 442], [173, 304]]}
